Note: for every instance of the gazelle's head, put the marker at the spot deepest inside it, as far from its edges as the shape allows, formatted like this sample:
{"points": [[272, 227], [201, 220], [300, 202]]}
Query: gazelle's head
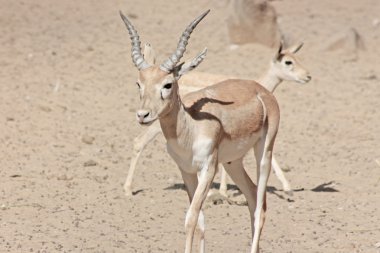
{"points": [[286, 66], [158, 85]]}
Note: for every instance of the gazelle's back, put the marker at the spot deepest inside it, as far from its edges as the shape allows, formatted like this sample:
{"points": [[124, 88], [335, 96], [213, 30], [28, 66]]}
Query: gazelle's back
{"points": [[235, 104]]}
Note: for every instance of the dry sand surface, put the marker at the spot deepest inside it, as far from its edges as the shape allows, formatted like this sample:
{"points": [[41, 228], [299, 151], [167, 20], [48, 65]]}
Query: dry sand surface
{"points": [[68, 101]]}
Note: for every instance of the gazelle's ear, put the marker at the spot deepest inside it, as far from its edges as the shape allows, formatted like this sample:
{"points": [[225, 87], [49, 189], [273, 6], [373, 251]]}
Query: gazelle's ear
{"points": [[149, 54], [279, 52], [187, 67], [295, 48]]}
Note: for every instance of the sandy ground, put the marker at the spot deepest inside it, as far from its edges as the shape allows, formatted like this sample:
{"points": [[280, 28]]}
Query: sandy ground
{"points": [[66, 74]]}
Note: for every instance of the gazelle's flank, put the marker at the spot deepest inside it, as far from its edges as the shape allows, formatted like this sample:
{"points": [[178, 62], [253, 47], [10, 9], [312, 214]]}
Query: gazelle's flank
{"points": [[218, 124], [284, 66]]}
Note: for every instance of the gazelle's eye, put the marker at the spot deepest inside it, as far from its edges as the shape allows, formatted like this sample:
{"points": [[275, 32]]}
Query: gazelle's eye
{"points": [[166, 91], [138, 85], [168, 86], [288, 62]]}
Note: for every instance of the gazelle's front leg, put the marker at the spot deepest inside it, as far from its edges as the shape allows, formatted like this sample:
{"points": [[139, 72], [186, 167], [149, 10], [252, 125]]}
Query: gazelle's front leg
{"points": [[277, 170], [193, 215], [191, 183], [139, 144], [280, 175]]}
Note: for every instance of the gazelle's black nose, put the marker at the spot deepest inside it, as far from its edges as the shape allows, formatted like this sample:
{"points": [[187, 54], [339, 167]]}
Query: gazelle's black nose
{"points": [[141, 115]]}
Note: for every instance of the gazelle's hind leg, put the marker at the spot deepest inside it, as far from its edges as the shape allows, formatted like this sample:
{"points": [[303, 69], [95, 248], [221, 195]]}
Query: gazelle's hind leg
{"points": [[238, 174], [263, 149], [263, 153], [223, 182], [139, 144]]}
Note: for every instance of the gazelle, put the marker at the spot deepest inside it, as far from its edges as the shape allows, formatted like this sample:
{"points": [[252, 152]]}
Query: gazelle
{"points": [[218, 124], [284, 66]]}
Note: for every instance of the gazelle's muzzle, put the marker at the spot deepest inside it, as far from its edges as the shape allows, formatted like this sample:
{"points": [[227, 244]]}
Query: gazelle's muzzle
{"points": [[142, 115], [145, 117], [305, 79]]}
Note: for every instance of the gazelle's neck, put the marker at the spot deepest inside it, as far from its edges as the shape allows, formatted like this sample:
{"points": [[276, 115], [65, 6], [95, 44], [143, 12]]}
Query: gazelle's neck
{"points": [[176, 124], [270, 79]]}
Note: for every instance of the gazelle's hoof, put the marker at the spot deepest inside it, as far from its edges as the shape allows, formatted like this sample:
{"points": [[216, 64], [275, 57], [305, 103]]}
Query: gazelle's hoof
{"points": [[210, 193], [220, 193], [289, 192], [223, 193], [128, 191], [287, 188]]}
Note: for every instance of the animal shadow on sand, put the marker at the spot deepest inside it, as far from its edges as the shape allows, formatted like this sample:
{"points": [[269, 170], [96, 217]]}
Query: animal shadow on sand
{"points": [[214, 185], [325, 187]]}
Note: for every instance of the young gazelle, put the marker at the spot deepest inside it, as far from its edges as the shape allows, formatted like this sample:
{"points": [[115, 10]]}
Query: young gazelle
{"points": [[284, 66], [218, 124]]}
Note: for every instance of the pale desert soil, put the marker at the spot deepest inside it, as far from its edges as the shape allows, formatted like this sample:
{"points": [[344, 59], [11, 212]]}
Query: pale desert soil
{"points": [[66, 73]]}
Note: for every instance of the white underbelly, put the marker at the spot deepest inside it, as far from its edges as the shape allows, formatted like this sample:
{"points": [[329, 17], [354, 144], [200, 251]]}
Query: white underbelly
{"points": [[190, 159], [231, 150]]}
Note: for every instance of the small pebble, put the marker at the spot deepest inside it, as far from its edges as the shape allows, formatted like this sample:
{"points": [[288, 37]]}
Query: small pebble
{"points": [[88, 139], [90, 163]]}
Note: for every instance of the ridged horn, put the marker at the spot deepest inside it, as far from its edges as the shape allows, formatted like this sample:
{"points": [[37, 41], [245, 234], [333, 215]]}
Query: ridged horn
{"points": [[137, 56], [172, 61]]}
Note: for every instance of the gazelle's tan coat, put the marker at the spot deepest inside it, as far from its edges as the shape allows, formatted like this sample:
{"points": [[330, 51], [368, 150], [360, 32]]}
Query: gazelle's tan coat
{"points": [[217, 124], [277, 72]]}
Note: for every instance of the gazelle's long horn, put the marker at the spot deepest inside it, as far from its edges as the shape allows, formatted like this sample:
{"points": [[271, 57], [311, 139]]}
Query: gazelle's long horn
{"points": [[172, 61], [137, 57]]}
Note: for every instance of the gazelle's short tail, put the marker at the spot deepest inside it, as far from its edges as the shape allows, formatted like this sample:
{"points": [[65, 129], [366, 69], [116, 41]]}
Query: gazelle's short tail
{"points": [[271, 118]]}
